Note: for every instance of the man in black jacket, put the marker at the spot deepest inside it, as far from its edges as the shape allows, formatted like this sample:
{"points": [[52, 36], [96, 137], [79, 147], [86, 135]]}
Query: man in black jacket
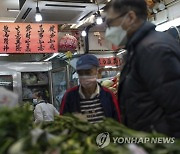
{"points": [[149, 88]]}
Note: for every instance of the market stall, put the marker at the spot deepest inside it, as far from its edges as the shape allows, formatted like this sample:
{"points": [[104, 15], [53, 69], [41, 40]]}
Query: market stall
{"points": [[43, 56]]}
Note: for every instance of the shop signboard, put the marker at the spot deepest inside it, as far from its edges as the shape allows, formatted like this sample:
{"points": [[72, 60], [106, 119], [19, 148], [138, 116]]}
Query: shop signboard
{"points": [[112, 61], [28, 38]]}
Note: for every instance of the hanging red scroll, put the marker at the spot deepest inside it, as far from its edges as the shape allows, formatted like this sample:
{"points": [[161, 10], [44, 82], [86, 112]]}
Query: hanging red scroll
{"points": [[113, 61], [28, 38]]}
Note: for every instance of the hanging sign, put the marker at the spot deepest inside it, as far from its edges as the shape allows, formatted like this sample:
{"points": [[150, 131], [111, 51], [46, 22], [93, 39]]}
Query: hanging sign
{"points": [[113, 61], [28, 38]]}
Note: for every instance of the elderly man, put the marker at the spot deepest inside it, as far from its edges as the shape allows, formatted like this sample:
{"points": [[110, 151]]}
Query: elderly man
{"points": [[149, 89], [90, 98]]}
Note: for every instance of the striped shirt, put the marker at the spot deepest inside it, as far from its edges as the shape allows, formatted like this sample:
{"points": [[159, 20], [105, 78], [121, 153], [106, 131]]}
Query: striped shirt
{"points": [[92, 107]]}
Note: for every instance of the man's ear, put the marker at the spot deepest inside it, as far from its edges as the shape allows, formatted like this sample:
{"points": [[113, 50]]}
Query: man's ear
{"points": [[97, 69], [131, 17]]}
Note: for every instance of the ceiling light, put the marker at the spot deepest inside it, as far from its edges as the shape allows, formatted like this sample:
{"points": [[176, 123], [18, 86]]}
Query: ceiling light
{"points": [[83, 33], [165, 26], [161, 6], [38, 16], [158, 7], [155, 11], [99, 19]]}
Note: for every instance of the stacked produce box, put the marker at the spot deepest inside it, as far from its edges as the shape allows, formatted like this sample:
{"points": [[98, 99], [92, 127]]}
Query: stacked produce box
{"points": [[111, 84]]}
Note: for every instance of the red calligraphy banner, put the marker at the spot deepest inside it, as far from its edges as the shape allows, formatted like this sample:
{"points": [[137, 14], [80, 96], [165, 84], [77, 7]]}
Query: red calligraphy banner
{"points": [[113, 61], [28, 38]]}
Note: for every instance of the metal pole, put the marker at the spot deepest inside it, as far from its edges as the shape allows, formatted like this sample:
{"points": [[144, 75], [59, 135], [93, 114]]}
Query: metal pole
{"points": [[68, 75], [51, 87], [87, 37]]}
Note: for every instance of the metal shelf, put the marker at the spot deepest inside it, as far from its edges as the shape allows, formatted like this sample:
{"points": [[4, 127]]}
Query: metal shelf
{"points": [[32, 85], [27, 98]]}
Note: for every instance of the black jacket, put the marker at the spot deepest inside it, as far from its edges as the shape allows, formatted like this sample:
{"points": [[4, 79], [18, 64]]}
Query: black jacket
{"points": [[149, 89]]}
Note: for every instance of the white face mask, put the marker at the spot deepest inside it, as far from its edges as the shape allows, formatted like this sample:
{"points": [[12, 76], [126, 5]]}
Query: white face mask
{"points": [[117, 35], [88, 81], [35, 101]]}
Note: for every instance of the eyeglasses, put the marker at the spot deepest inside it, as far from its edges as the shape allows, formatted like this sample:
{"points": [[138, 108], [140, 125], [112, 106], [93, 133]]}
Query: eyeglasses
{"points": [[110, 21]]}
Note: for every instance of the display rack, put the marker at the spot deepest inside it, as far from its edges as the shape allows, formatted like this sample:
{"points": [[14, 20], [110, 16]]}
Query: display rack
{"points": [[6, 81], [15, 72], [32, 81], [60, 83]]}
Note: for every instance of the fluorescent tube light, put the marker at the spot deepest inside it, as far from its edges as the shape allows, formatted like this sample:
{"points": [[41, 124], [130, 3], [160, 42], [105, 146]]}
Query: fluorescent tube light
{"points": [[54, 55], [6, 21], [4, 55], [13, 10], [121, 52], [165, 26]]}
